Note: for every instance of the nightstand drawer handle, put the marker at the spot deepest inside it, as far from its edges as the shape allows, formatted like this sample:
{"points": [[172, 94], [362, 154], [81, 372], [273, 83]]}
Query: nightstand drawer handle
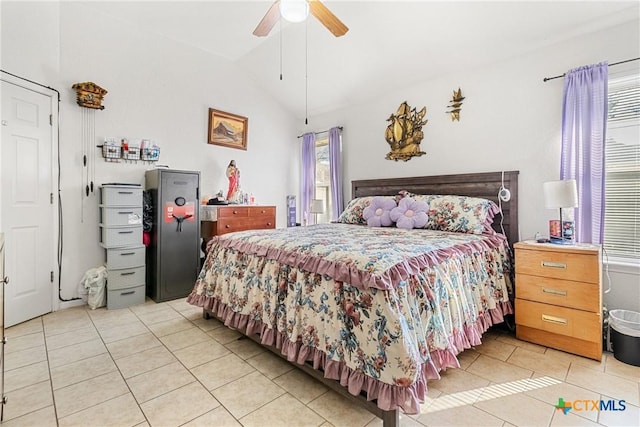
{"points": [[552, 264], [553, 319], [554, 292]]}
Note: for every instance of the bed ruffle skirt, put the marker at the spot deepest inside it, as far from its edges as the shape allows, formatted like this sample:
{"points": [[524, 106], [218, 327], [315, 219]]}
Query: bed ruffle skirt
{"points": [[387, 396]]}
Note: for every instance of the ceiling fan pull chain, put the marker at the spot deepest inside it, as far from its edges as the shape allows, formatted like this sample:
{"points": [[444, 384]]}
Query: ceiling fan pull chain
{"points": [[306, 72], [280, 23]]}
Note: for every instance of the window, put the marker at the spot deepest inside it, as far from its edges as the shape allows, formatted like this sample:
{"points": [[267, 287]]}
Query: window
{"points": [[622, 169], [323, 179]]}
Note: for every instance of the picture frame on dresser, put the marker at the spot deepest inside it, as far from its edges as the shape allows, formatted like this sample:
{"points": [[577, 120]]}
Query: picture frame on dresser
{"points": [[227, 129]]}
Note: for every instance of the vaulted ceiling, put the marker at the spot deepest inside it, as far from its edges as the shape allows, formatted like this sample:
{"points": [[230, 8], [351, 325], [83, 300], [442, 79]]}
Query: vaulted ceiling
{"points": [[390, 44]]}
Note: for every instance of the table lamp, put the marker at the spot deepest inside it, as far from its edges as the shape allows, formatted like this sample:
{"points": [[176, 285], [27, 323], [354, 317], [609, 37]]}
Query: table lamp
{"points": [[317, 207], [559, 195]]}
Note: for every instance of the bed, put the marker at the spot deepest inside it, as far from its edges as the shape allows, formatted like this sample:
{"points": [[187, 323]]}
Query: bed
{"points": [[372, 312]]}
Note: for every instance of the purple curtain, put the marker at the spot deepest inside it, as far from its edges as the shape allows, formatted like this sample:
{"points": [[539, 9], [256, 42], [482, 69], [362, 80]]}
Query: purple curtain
{"points": [[308, 177], [584, 125], [335, 169]]}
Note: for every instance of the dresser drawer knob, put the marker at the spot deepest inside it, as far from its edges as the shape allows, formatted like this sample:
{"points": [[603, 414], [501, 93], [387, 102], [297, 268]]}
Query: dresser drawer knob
{"points": [[553, 319], [235, 212], [552, 264], [269, 224], [227, 226], [554, 292], [262, 211]]}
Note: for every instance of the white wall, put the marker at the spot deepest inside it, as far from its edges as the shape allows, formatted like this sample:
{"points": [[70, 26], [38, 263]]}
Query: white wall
{"points": [[157, 89], [510, 120], [160, 89]]}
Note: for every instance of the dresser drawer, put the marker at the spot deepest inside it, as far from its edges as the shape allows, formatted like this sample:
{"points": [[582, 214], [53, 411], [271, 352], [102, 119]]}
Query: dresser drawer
{"points": [[121, 195], [125, 257], [121, 236], [569, 322], [120, 298], [559, 265], [229, 225], [262, 211], [110, 216], [580, 295], [233, 212], [125, 277]]}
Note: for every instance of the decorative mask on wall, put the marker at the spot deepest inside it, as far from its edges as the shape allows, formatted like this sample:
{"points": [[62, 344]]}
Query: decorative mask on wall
{"points": [[89, 95], [404, 133], [455, 105]]}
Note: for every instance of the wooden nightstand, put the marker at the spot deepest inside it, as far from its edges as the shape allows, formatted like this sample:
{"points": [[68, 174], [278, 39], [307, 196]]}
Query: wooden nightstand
{"points": [[559, 296]]}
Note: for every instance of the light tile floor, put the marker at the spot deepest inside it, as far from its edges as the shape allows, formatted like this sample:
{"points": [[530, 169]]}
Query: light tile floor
{"points": [[164, 365]]}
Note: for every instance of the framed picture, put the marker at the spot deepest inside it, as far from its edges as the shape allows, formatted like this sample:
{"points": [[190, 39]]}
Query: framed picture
{"points": [[228, 130]]}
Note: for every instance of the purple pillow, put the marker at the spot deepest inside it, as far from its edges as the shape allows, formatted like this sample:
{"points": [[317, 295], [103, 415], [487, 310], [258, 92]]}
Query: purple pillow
{"points": [[377, 214], [410, 214]]}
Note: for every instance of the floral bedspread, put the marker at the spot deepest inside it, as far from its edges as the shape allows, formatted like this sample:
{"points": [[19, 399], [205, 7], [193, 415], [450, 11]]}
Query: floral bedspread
{"points": [[380, 309]]}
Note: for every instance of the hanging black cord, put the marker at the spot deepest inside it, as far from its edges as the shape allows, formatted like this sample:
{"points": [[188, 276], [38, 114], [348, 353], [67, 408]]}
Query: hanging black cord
{"points": [[306, 72], [546, 79], [280, 22]]}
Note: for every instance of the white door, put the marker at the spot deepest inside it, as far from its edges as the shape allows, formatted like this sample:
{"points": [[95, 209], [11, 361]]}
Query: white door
{"points": [[27, 213]]}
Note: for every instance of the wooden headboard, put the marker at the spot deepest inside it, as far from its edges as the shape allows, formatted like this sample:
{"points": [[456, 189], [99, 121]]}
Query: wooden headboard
{"points": [[485, 185]]}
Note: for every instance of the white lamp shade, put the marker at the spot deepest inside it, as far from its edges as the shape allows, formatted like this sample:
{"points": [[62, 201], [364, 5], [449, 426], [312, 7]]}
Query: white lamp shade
{"points": [[560, 194], [294, 10], [317, 206]]}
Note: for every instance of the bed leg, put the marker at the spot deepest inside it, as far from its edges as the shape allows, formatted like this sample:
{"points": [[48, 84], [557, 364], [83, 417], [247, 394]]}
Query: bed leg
{"points": [[205, 314], [391, 418]]}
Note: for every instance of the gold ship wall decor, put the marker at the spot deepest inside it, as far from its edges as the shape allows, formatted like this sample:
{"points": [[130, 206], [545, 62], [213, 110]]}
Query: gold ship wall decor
{"points": [[455, 105], [404, 133]]}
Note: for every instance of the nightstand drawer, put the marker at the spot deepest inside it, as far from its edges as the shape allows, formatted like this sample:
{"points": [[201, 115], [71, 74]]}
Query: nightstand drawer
{"points": [[580, 295], [559, 265], [559, 320]]}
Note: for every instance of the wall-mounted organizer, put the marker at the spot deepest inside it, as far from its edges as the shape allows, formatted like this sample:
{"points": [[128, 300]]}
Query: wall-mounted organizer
{"points": [[122, 149]]}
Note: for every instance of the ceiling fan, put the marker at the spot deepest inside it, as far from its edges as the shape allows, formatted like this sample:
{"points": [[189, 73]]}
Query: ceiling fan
{"points": [[297, 11]]}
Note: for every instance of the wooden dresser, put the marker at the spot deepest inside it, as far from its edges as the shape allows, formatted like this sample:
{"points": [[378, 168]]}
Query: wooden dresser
{"points": [[230, 218], [559, 296]]}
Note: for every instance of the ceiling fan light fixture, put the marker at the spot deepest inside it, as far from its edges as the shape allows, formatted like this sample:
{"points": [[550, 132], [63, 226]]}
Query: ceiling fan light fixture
{"points": [[294, 10]]}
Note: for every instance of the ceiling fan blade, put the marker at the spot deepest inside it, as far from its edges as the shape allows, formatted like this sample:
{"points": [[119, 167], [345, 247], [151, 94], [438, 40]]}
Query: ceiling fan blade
{"points": [[268, 21], [327, 18]]}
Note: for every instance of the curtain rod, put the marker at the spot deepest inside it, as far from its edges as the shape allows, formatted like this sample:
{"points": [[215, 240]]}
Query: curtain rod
{"points": [[546, 79], [319, 132]]}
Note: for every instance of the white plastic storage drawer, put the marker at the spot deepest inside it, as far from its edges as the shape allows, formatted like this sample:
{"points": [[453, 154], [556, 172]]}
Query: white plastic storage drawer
{"points": [[120, 215], [125, 278], [125, 257], [121, 298], [121, 236], [121, 195]]}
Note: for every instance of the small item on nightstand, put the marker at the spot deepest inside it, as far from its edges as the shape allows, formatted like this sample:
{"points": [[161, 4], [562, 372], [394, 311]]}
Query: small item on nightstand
{"points": [[542, 240]]}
